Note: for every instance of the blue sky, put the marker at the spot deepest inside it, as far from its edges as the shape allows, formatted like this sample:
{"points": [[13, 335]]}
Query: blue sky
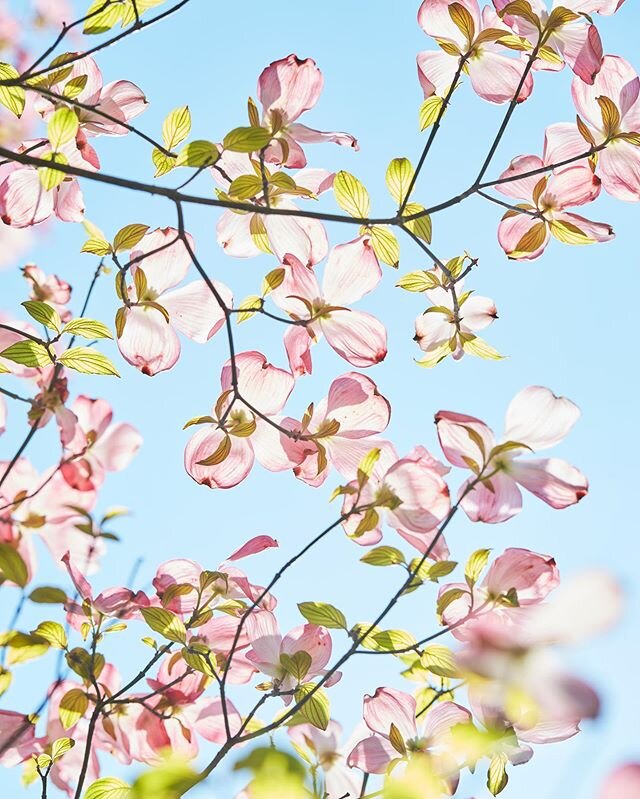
{"points": [[566, 321]]}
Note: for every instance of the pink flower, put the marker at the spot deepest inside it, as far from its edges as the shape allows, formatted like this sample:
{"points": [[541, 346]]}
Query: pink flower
{"points": [[576, 43], [97, 445], [19, 729], [536, 419], [410, 496], [120, 99], [244, 234], [50, 289], [523, 235], [23, 199], [323, 748], [287, 88], [517, 578], [622, 783], [268, 646], [51, 513], [391, 717], [619, 161], [495, 77], [352, 271], [343, 427], [436, 331], [237, 430], [154, 312]]}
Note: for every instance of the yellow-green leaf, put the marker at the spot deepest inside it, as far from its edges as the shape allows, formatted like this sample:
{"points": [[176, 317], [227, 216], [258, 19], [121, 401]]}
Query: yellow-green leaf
{"points": [[351, 195], [128, 236], [166, 623], [12, 566], [316, 709], [53, 633], [176, 127], [88, 361], [429, 111], [398, 178], [385, 244], [73, 706], [246, 140], [44, 313], [62, 127], [87, 328], [198, 153], [323, 614], [108, 788], [383, 556], [418, 281], [12, 97]]}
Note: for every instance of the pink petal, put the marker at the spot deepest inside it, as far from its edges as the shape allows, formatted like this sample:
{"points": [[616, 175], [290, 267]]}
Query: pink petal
{"points": [[195, 311], [262, 631], [290, 85], [354, 402], [166, 260], [538, 418], [68, 201], [435, 20], [231, 471], [148, 342], [208, 720], [352, 271], [436, 71], [234, 235], [389, 706], [573, 185], [372, 755], [309, 638], [511, 232], [553, 480], [442, 717], [496, 77], [533, 576], [23, 201], [483, 504], [257, 544], [456, 441], [523, 188], [304, 238], [297, 343], [620, 170], [358, 337], [592, 231], [117, 447], [261, 384], [562, 141], [302, 133], [478, 312]]}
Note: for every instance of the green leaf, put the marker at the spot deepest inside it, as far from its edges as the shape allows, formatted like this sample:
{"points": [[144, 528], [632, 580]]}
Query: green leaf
{"points": [[128, 236], [44, 313], [479, 347], [62, 127], [351, 195], [198, 153], [439, 660], [383, 556], [316, 709], [429, 111], [166, 623], [12, 566], [49, 176], [88, 362], [398, 178], [22, 647], [96, 246], [108, 788], [475, 565], [297, 665], [245, 186], [53, 633], [60, 747], [246, 140], [385, 244], [420, 227], [73, 706], [388, 640], [176, 127], [441, 568], [87, 328], [497, 777], [5, 680], [12, 97], [323, 614], [445, 599], [418, 281], [75, 86]]}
